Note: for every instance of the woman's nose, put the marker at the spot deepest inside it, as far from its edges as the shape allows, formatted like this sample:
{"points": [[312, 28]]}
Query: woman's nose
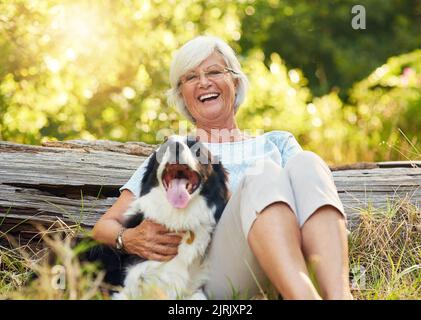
{"points": [[203, 80]]}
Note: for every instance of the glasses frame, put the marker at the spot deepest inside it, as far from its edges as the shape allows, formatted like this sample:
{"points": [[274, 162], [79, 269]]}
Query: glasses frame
{"points": [[225, 70]]}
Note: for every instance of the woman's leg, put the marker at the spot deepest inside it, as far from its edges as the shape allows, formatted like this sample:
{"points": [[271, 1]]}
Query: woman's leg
{"points": [[233, 270], [323, 231], [233, 265], [275, 240], [326, 249], [260, 229]]}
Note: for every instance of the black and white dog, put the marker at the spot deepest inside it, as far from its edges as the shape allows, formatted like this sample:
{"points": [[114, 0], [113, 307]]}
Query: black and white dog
{"points": [[185, 189]]}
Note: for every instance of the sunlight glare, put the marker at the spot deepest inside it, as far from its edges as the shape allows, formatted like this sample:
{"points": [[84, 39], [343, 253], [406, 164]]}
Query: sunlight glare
{"points": [[79, 26], [52, 64]]}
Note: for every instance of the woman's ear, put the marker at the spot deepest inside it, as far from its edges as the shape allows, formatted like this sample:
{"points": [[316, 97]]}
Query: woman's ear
{"points": [[236, 84]]}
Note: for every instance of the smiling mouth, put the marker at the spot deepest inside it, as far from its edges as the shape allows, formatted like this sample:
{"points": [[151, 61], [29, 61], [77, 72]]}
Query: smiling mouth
{"points": [[208, 97], [179, 182]]}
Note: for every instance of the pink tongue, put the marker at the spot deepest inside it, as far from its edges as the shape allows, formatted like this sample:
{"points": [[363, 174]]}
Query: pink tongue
{"points": [[177, 193]]}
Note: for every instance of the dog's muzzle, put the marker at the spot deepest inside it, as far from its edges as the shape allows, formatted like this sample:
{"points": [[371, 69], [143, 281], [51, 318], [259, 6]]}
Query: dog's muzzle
{"points": [[179, 181]]}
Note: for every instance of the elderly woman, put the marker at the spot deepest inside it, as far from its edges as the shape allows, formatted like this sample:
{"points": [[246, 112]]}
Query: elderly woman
{"points": [[281, 217]]}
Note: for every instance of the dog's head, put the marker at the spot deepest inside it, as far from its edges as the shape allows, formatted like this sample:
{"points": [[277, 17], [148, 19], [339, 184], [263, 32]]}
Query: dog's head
{"points": [[184, 168]]}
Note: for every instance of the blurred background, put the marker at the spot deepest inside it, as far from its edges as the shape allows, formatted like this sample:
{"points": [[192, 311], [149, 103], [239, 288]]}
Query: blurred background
{"points": [[99, 70]]}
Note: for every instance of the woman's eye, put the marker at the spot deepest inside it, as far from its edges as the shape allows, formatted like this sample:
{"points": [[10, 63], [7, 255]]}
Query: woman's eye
{"points": [[214, 72], [191, 77]]}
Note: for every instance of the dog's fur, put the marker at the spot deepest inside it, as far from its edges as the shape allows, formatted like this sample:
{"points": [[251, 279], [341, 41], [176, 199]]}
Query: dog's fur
{"points": [[178, 159]]}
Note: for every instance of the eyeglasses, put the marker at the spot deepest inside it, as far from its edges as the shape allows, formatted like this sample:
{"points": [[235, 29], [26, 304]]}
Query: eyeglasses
{"points": [[213, 73]]}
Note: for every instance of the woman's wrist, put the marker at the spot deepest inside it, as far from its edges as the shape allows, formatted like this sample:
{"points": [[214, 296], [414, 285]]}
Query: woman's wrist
{"points": [[119, 243], [126, 237]]}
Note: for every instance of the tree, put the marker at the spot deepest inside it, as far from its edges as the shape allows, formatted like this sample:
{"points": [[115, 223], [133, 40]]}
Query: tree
{"points": [[316, 36], [79, 69]]}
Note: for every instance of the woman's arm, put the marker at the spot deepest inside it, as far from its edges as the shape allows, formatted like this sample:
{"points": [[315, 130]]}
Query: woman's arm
{"points": [[109, 225], [148, 240]]}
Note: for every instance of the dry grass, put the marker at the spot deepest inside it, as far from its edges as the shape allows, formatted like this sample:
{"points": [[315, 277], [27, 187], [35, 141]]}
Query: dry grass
{"points": [[54, 273], [386, 245]]}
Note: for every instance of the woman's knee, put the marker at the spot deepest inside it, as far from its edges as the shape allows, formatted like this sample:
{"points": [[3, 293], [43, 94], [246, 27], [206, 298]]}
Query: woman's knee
{"points": [[304, 163], [307, 166], [261, 178], [304, 158]]}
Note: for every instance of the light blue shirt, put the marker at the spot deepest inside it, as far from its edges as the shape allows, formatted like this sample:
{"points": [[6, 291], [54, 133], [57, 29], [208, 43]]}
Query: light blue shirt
{"points": [[238, 156]]}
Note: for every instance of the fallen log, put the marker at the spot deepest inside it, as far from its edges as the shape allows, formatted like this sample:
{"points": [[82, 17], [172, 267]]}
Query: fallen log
{"points": [[77, 181]]}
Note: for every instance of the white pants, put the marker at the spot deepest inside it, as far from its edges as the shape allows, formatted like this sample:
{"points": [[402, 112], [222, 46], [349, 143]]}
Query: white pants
{"points": [[305, 184]]}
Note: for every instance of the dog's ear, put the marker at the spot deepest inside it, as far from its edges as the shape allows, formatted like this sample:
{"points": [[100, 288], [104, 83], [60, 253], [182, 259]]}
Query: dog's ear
{"points": [[219, 169], [149, 179], [223, 194]]}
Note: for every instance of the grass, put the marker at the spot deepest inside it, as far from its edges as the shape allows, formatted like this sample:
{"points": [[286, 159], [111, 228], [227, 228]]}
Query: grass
{"points": [[55, 272], [386, 250], [384, 253]]}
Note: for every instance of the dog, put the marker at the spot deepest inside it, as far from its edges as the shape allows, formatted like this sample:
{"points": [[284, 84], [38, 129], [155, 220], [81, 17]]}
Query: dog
{"points": [[185, 189]]}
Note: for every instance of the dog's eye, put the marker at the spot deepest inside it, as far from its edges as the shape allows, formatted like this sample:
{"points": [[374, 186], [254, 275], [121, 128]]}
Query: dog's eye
{"points": [[198, 152]]}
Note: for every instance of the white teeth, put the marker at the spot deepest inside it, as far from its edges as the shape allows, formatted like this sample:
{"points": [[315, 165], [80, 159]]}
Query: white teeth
{"points": [[208, 95]]}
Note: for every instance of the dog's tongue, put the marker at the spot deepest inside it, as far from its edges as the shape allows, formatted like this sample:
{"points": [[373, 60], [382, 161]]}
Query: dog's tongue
{"points": [[177, 193]]}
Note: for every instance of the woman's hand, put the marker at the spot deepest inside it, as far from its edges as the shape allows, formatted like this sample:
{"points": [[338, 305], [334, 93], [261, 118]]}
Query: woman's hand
{"points": [[152, 241]]}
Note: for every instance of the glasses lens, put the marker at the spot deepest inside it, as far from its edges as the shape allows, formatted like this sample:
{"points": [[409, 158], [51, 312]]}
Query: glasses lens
{"points": [[212, 73], [191, 78], [215, 73]]}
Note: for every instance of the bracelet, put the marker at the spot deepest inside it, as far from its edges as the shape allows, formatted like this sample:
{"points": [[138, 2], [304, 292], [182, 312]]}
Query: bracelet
{"points": [[119, 240]]}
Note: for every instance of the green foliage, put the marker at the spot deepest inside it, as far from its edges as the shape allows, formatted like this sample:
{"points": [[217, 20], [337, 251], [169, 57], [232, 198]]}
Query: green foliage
{"points": [[388, 99], [316, 36], [80, 70], [76, 69], [365, 129]]}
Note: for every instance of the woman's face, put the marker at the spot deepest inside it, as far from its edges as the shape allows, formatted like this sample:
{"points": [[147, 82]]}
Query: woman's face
{"points": [[209, 99]]}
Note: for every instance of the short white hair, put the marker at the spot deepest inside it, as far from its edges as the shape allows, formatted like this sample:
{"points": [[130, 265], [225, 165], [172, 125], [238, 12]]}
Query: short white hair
{"points": [[193, 53]]}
